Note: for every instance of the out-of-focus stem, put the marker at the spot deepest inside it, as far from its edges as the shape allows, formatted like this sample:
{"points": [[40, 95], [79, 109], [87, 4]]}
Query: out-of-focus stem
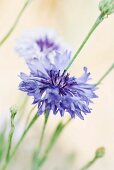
{"points": [[100, 152], [53, 140], [13, 112], [37, 151], [20, 141], [89, 164], [24, 134], [29, 114], [105, 74], [15, 23], [43, 130], [22, 108]]}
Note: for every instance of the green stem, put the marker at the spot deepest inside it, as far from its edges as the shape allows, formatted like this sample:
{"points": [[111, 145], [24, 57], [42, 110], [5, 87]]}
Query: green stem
{"points": [[89, 164], [43, 130], [29, 114], [2, 143], [15, 23], [10, 139], [38, 150], [53, 140], [100, 152], [22, 108], [98, 21], [21, 139], [13, 112], [23, 135], [105, 75]]}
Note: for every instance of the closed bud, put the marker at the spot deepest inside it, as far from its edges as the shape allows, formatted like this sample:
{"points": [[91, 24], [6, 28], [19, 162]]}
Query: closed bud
{"points": [[106, 7], [13, 111], [100, 152]]}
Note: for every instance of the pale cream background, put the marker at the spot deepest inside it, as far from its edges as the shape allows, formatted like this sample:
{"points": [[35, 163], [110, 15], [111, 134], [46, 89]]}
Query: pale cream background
{"points": [[71, 19]]}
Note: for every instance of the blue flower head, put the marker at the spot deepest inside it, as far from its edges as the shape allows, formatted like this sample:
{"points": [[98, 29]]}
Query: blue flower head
{"points": [[53, 89]]}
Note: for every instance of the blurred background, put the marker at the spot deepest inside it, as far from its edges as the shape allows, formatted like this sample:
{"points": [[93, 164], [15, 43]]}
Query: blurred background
{"points": [[72, 19]]}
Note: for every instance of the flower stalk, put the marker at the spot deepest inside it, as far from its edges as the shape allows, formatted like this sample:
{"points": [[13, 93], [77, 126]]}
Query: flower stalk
{"points": [[37, 151], [52, 142], [13, 112], [20, 141], [15, 23], [97, 22], [105, 74], [29, 115], [23, 135], [100, 152]]}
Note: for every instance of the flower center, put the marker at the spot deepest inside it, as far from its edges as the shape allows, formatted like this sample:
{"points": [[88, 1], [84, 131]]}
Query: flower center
{"points": [[46, 44], [60, 81]]}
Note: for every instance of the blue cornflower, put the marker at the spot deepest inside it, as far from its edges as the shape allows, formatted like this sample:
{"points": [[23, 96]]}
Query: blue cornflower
{"points": [[53, 89]]}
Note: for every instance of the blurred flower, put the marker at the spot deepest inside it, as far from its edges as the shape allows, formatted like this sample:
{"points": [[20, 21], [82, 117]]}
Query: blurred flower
{"points": [[54, 90], [106, 7], [38, 43]]}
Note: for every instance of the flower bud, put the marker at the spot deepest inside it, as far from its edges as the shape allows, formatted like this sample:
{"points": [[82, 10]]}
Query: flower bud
{"points": [[13, 111], [106, 7], [100, 152]]}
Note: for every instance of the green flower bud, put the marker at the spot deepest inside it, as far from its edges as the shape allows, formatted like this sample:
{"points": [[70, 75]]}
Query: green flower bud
{"points": [[13, 111], [100, 152], [106, 7]]}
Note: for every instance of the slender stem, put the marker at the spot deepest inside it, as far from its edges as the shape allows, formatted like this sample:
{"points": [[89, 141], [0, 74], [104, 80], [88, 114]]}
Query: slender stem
{"points": [[53, 140], [98, 21], [23, 135], [2, 143], [15, 23], [37, 151], [10, 139], [29, 114], [105, 75], [100, 152], [21, 139], [89, 164], [13, 112], [22, 109], [43, 130]]}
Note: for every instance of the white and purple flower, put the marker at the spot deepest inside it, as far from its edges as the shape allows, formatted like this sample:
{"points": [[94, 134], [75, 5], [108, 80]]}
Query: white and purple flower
{"points": [[38, 43]]}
